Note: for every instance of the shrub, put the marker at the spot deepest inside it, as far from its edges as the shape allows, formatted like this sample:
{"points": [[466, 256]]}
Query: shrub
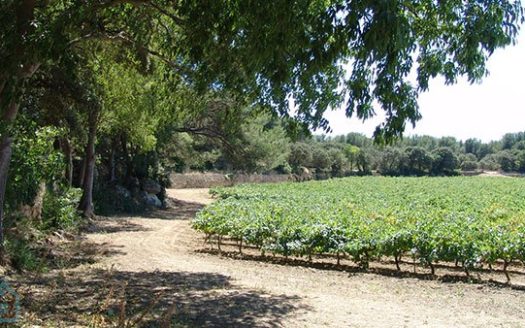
{"points": [[34, 160], [60, 209]]}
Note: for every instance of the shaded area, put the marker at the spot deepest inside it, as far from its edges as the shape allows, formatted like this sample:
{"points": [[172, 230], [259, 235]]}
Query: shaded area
{"points": [[449, 274], [175, 210], [79, 252], [172, 298], [113, 224]]}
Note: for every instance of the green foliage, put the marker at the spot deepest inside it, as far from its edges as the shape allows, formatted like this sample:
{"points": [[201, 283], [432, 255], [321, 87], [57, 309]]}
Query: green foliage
{"points": [[274, 51], [263, 147], [489, 162], [321, 160], [34, 160], [60, 209], [392, 161], [469, 165], [507, 160], [120, 201], [128, 99], [432, 219], [22, 255], [521, 161], [444, 161], [337, 161], [419, 161], [300, 155]]}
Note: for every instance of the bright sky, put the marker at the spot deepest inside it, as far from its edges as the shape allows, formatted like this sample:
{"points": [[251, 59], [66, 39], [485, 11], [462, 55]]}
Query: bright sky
{"points": [[486, 110]]}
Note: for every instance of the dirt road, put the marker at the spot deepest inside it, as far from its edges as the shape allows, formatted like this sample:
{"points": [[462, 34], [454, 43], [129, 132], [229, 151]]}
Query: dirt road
{"points": [[163, 253]]}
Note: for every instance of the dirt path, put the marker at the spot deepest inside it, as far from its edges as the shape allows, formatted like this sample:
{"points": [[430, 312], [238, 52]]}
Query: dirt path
{"points": [[222, 291], [161, 255]]}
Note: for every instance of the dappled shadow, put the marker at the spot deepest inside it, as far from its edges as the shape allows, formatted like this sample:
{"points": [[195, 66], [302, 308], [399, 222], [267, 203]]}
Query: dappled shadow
{"points": [[113, 224], [181, 298], [176, 210], [68, 254], [449, 274]]}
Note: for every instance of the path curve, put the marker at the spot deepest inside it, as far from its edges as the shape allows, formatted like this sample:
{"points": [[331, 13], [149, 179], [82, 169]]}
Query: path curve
{"points": [[165, 242]]}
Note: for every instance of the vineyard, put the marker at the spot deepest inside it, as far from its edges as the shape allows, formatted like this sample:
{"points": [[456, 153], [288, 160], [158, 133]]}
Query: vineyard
{"points": [[472, 222]]}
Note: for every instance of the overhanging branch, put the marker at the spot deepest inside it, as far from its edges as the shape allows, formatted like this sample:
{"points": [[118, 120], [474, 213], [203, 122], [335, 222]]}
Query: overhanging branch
{"points": [[123, 38]]}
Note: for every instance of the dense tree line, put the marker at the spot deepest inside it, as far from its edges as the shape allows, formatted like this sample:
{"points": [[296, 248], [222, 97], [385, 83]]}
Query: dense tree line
{"points": [[355, 153], [426, 155]]}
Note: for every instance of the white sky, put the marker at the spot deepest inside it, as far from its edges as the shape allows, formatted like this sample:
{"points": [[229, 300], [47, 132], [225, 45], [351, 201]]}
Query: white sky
{"points": [[486, 110]]}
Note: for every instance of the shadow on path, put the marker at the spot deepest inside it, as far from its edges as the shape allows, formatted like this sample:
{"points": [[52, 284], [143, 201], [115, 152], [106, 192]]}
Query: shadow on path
{"points": [[180, 298], [450, 275]]}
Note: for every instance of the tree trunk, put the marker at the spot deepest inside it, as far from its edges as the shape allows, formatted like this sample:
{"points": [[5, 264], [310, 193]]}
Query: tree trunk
{"points": [[82, 173], [5, 158], [9, 83], [127, 157], [86, 202], [112, 163], [68, 153]]}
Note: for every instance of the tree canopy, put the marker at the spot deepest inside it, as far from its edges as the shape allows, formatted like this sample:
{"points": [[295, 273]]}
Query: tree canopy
{"points": [[319, 53]]}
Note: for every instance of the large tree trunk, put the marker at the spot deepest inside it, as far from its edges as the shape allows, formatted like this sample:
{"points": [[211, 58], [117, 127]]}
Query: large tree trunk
{"points": [[9, 99], [5, 158], [82, 173], [86, 202], [8, 116]]}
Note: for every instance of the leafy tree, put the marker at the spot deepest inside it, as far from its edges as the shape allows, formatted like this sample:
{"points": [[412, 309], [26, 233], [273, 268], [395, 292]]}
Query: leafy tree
{"points": [[444, 161], [419, 161], [392, 161], [35, 160], [321, 160], [507, 160], [468, 162], [469, 166], [300, 155], [449, 142], [510, 139], [352, 155], [520, 145], [521, 161], [263, 146], [473, 146], [489, 162], [364, 161], [337, 161], [358, 140]]}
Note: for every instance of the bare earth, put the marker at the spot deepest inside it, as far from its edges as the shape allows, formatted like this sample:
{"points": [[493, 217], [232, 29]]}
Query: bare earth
{"points": [[163, 254]]}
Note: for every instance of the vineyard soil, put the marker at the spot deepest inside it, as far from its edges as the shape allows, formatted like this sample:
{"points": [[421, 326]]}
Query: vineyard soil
{"points": [[164, 254]]}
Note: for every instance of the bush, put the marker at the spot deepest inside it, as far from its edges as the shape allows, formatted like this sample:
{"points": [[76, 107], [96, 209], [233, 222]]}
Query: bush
{"points": [[490, 163], [469, 166], [60, 210], [22, 256], [34, 160]]}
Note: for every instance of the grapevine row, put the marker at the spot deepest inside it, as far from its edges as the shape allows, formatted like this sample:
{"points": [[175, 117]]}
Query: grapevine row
{"points": [[472, 221]]}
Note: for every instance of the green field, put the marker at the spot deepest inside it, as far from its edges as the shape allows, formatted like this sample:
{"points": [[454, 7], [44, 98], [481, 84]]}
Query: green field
{"points": [[468, 220]]}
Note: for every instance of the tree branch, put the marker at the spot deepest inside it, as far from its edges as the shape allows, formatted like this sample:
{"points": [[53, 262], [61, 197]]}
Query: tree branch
{"points": [[210, 133], [122, 37], [148, 3]]}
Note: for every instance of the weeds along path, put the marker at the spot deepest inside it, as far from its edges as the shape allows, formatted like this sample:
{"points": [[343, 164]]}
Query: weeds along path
{"points": [[257, 293]]}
